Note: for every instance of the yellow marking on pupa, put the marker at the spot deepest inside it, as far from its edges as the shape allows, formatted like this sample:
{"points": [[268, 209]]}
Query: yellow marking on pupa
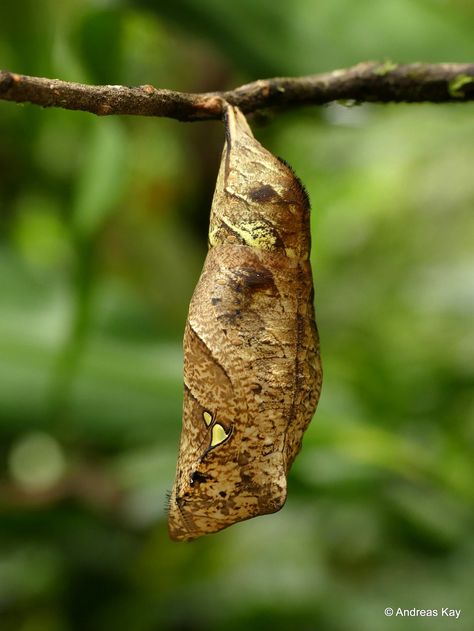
{"points": [[291, 253], [218, 435], [255, 234], [207, 416], [213, 236]]}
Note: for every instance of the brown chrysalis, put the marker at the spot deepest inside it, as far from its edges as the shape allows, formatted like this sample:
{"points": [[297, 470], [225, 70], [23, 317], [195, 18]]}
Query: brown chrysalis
{"points": [[252, 372]]}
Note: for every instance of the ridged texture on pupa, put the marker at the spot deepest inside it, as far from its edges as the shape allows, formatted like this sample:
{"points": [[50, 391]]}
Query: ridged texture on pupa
{"points": [[252, 373]]}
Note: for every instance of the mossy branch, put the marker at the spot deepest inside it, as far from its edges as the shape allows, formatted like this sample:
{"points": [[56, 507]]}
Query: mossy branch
{"points": [[367, 82]]}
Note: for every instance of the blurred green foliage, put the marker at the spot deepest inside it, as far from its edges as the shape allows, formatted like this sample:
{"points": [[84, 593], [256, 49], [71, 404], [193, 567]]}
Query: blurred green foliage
{"points": [[103, 236]]}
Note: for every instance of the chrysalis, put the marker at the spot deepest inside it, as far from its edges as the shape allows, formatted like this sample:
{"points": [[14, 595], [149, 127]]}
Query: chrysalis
{"points": [[252, 373]]}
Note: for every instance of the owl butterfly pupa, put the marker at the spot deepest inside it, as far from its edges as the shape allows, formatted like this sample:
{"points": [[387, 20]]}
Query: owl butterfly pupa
{"points": [[252, 373]]}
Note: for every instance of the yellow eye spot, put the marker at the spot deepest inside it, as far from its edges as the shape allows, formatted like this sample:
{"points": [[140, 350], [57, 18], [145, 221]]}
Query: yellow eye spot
{"points": [[218, 435], [207, 418]]}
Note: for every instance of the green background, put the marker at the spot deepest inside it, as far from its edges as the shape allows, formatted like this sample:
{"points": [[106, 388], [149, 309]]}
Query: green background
{"points": [[103, 235]]}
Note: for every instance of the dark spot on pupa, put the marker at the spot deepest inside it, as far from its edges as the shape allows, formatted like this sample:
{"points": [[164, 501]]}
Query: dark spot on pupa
{"points": [[197, 478], [216, 301], [256, 279], [268, 449], [256, 388], [223, 493], [264, 193], [229, 317], [246, 479]]}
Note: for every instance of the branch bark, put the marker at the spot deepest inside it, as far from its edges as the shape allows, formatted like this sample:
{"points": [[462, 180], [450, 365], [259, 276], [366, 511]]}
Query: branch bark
{"points": [[370, 81]]}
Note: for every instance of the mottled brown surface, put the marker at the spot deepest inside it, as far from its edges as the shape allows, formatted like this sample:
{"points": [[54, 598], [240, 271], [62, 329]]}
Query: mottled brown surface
{"points": [[251, 352]]}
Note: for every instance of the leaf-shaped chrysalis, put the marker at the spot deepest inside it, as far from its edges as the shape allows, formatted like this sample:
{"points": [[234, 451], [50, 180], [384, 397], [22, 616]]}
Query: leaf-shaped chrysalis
{"points": [[252, 372]]}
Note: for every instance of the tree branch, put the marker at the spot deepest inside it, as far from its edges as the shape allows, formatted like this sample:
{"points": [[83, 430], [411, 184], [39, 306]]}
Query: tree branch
{"points": [[371, 81]]}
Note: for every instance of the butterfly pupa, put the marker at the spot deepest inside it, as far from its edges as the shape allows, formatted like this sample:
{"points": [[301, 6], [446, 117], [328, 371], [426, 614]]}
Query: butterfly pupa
{"points": [[252, 372]]}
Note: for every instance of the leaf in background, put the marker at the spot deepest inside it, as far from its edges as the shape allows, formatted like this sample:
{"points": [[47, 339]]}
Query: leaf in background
{"points": [[27, 28], [38, 233], [99, 42], [267, 38], [101, 180]]}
